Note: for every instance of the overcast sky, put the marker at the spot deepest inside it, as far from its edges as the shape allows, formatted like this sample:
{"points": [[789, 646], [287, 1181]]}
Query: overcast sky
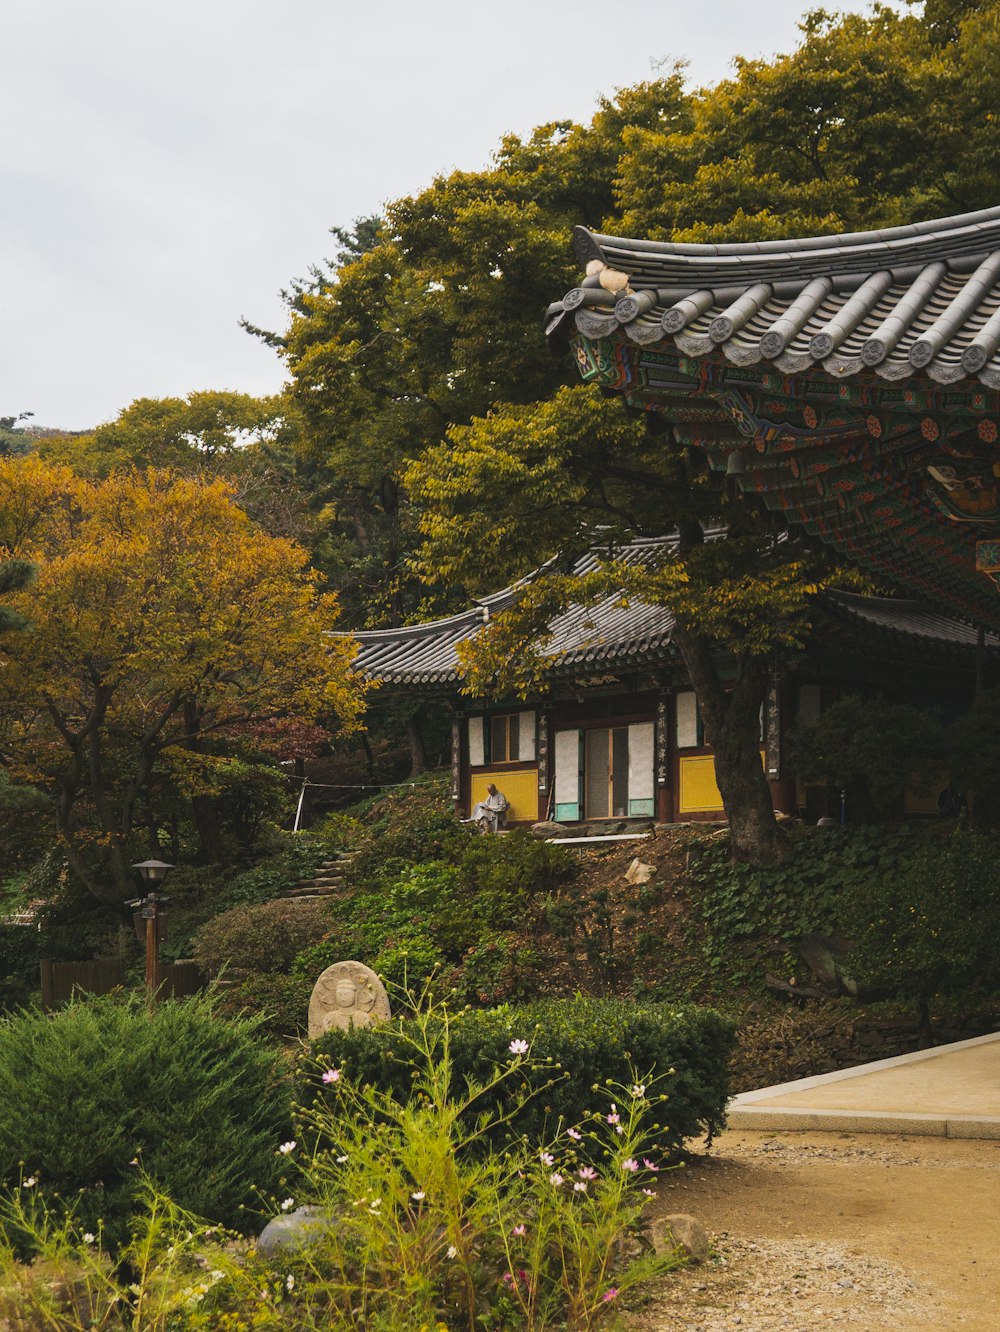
{"points": [[167, 167]]}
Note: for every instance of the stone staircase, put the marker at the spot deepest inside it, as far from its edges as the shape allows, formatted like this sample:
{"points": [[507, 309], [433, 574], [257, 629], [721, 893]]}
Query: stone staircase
{"points": [[326, 880]]}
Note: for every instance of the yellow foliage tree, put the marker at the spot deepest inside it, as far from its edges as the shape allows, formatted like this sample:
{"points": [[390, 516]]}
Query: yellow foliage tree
{"points": [[160, 617]]}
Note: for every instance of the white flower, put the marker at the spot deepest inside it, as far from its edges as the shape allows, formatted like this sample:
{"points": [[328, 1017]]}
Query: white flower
{"points": [[288, 1204], [89, 1237], [579, 1187], [518, 1047], [30, 1182], [546, 1158], [556, 1179], [419, 1196], [341, 1160], [452, 1251], [289, 1283], [287, 1147], [639, 1090]]}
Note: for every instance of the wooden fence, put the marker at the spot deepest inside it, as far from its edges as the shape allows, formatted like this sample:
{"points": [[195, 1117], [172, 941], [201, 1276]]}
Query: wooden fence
{"points": [[60, 980]]}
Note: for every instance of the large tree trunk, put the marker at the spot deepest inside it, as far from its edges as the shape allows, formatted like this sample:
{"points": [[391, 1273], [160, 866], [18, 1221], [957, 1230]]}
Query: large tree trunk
{"points": [[418, 751], [732, 721], [204, 808]]}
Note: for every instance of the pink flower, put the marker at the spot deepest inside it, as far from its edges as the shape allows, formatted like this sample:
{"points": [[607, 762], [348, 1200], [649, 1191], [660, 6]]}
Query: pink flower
{"points": [[519, 1230], [650, 1193], [518, 1047], [610, 1295], [631, 1164], [574, 1134], [650, 1166], [331, 1075], [587, 1172], [546, 1158], [556, 1179], [614, 1119]]}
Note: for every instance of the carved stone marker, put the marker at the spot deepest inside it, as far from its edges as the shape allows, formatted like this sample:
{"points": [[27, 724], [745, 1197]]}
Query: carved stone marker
{"points": [[348, 993]]}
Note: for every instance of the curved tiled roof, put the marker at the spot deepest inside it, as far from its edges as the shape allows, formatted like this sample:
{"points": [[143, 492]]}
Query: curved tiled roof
{"points": [[615, 634], [583, 638], [920, 299]]}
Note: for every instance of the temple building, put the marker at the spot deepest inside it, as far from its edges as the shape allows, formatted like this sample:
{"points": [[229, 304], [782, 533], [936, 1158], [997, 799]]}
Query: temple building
{"points": [[617, 735], [850, 385]]}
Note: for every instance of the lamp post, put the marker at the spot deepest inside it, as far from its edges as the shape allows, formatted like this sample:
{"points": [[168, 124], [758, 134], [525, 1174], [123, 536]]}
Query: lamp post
{"points": [[149, 909]]}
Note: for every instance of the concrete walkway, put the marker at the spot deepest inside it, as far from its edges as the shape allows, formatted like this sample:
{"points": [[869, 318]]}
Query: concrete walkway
{"points": [[951, 1091]]}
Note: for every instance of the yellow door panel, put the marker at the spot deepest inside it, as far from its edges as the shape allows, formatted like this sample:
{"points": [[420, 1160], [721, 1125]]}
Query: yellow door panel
{"points": [[520, 788]]}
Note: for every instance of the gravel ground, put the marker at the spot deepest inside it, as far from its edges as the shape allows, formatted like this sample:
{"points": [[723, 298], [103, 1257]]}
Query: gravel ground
{"points": [[864, 1233], [767, 1285]]}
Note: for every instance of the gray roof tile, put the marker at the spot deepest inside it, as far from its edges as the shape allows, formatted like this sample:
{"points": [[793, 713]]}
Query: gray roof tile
{"points": [[610, 632], [941, 279]]}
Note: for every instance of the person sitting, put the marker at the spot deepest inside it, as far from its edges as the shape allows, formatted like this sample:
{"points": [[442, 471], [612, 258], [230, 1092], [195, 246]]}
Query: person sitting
{"points": [[491, 814]]}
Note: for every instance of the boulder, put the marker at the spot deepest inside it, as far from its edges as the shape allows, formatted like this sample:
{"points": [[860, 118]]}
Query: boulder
{"points": [[823, 955], [549, 828], [297, 1230], [685, 1232], [639, 872]]}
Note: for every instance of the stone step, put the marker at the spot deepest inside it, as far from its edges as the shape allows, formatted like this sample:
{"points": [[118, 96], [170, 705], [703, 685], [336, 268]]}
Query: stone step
{"points": [[326, 879]]}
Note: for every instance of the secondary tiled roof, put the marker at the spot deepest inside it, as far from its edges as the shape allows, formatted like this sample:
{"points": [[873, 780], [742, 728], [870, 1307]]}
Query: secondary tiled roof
{"points": [[583, 638], [618, 633], [913, 621], [917, 299]]}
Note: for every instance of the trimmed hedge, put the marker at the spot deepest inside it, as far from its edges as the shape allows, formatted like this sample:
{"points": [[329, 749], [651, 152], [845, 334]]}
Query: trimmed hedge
{"points": [[578, 1042], [266, 937], [200, 1102]]}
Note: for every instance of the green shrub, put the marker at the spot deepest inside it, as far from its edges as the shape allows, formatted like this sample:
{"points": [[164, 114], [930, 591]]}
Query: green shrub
{"points": [[432, 834], [267, 937], [975, 758], [280, 1003], [427, 1233], [19, 956], [575, 1045], [261, 883], [86, 1092], [932, 930], [499, 968], [514, 869], [748, 909], [873, 750], [408, 964]]}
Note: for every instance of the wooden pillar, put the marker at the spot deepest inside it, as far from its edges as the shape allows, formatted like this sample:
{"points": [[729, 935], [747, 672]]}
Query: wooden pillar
{"points": [[772, 727], [662, 750], [542, 758], [456, 761]]}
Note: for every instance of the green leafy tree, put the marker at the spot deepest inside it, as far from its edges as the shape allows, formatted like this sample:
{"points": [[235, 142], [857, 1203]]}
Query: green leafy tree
{"points": [[931, 931], [14, 439], [874, 750], [432, 414]]}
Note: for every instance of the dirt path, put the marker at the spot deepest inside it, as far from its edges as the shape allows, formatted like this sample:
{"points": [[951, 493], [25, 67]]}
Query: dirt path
{"points": [[857, 1232]]}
